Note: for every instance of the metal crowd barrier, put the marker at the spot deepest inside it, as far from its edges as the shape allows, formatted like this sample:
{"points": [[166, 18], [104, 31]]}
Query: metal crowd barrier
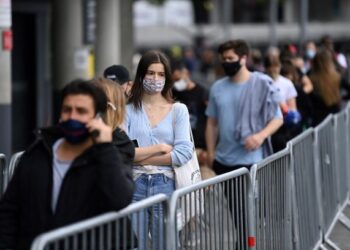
{"points": [[272, 185], [217, 213], [290, 200], [13, 163], [325, 142], [2, 173], [344, 219], [341, 133], [342, 151], [306, 214], [115, 230], [8, 172], [348, 139]]}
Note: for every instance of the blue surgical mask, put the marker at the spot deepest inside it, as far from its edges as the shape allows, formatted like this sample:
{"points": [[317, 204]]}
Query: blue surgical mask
{"points": [[74, 131]]}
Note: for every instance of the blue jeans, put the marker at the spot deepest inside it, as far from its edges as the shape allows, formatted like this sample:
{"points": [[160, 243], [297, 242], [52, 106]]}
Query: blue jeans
{"points": [[149, 224]]}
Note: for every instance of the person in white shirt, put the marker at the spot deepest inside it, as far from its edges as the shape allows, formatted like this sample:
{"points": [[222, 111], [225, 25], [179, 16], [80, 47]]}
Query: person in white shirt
{"points": [[288, 104]]}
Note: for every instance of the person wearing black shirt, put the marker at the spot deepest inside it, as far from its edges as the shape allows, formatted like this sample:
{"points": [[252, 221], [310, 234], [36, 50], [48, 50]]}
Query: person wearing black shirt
{"points": [[195, 97], [73, 171]]}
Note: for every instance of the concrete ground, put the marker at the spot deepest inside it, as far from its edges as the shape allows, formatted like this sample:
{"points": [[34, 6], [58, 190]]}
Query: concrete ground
{"points": [[340, 234]]}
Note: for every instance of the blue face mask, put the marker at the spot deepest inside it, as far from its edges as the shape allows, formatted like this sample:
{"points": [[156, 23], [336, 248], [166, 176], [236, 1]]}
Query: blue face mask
{"points": [[74, 131]]}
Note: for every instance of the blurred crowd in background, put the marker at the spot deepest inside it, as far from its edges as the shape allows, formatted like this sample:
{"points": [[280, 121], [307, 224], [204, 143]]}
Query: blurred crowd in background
{"points": [[314, 81]]}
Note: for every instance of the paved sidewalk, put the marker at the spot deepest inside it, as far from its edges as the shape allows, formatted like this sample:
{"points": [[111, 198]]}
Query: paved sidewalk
{"points": [[340, 234]]}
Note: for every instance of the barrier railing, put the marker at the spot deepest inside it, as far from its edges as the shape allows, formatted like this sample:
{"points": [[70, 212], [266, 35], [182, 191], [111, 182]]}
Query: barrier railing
{"points": [[290, 200], [324, 138], [306, 216], [272, 185], [13, 163], [347, 134], [221, 219], [9, 170], [3, 174], [342, 151], [341, 148], [115, 230]]}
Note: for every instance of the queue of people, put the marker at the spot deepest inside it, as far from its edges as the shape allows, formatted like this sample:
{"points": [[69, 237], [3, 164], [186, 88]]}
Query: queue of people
{"points": [[118, 141]]}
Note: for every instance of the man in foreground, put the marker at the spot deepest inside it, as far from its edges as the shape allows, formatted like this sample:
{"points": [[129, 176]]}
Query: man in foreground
{"points": [[70, 173]]}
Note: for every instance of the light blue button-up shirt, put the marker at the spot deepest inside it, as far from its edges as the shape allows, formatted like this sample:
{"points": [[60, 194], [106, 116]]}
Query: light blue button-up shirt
{"points": [[173, 129]]}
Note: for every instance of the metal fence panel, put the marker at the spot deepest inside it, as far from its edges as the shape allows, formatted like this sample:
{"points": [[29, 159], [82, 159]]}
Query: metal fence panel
{"points": [[2, 173], [9, 170], [348, 139], [217, 213], [130, 228], [272, 187], [13, 163], [327, 166], [294, 198], [342, 151], [306, 213]]}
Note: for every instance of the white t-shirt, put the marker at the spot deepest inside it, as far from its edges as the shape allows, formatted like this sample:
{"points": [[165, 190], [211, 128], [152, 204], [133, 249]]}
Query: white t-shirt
{"points": [[286, 88]]}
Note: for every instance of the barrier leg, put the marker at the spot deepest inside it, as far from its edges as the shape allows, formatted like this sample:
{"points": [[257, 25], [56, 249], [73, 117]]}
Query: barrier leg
{"points": [[344, 220]]}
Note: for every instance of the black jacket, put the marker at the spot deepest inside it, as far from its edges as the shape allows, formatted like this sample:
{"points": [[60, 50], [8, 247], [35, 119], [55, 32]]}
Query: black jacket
{"points": [[99, 180]]}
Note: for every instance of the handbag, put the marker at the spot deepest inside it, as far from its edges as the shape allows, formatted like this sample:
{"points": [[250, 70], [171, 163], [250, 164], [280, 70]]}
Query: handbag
{"points": [[186, 175]]}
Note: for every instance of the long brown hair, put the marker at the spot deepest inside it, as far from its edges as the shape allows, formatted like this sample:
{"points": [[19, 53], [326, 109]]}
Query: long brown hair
{"points": [[146, 60], [325, 78], [116, 98]]}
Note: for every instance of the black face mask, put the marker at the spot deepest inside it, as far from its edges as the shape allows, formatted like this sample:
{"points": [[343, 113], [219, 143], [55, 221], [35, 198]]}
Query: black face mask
{"points": [[231, 68]]}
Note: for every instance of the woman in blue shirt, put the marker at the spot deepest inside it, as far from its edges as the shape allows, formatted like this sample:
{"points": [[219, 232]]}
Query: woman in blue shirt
{"points": [[161, 130]]}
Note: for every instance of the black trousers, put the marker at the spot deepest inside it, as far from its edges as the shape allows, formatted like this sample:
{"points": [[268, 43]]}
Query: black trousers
{"points": [[222, 169]]}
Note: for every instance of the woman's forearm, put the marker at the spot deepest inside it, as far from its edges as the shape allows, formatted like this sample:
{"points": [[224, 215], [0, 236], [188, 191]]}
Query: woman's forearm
{"points": [[143, 153], [164, 159], [146, 152]]}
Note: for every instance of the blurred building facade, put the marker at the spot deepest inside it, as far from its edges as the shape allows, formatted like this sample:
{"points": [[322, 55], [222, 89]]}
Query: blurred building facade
{"points": [[258, 21], [56, 41]]}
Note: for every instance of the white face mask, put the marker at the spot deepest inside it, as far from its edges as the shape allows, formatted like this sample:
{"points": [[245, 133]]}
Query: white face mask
{"points": [[310, 54], [180, 85]]}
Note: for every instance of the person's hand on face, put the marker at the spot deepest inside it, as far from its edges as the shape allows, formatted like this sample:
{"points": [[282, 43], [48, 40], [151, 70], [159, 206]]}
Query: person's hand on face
{"points": [[104, 133], [77, 111]]}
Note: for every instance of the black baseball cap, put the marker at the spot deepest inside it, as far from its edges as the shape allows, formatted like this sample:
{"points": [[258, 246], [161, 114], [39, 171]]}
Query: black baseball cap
{"points": [[117, 73]]}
